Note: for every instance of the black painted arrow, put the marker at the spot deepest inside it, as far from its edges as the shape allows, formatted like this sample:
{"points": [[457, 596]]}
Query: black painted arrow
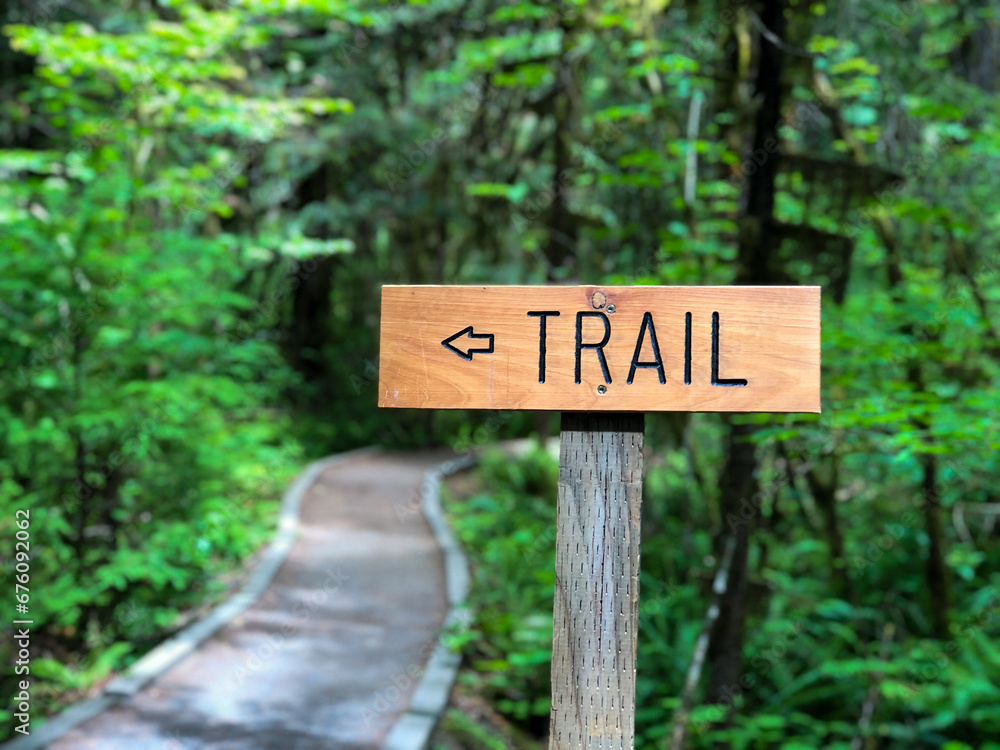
{"points": [[468, 355]]}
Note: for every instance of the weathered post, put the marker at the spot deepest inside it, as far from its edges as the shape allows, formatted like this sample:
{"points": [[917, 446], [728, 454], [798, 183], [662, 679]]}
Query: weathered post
{"points": [[597, 581]]}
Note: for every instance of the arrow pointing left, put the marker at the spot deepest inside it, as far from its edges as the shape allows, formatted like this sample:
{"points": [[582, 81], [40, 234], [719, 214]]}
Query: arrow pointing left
{"points": [[468, 354]]}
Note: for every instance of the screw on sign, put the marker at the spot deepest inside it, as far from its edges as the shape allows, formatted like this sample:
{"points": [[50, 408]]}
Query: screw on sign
{"points": [[603, 356]]}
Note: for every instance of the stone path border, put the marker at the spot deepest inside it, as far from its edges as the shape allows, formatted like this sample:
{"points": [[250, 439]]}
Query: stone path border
{"points": [[412, 730], [168, 653]]}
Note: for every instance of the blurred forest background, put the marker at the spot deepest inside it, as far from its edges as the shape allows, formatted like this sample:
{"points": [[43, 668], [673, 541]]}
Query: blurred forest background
{"points": [[200, 200]]}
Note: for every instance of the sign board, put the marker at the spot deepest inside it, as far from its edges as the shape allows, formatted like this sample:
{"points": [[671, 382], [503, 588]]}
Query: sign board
{"points": [[601, 348]]}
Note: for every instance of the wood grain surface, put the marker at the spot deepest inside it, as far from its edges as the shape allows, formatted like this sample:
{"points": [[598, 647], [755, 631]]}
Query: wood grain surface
{"points": [[596, 609], [482, 348]]}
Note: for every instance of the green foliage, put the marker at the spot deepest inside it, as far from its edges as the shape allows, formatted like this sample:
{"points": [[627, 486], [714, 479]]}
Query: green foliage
{"points": [[143, 431], [199, 201], [509, 536], [811, 662]]}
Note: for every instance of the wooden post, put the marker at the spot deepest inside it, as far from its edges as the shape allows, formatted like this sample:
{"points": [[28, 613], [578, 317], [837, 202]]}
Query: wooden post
{"points": [[597, 582]]}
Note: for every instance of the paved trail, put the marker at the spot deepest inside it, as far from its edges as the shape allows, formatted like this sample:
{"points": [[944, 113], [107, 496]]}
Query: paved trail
{"points": [[322, 659]]}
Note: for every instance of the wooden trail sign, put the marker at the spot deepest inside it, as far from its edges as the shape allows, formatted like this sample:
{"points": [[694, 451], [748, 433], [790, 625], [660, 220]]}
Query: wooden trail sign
{"points": [[599, 355], [588, 348]]}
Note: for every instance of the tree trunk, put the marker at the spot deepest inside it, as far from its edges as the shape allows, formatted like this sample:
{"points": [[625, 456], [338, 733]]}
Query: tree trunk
{"points": [[560, 248], [824, 493], [755, 245], [937, 570], [309, 330], [757, 219], [738, 485]]}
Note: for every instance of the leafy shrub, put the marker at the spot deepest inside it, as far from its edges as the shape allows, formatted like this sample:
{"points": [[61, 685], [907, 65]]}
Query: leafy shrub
{"points": [[508, 533]]}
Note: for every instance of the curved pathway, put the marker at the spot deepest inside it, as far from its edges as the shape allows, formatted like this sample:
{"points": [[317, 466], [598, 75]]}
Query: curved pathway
{"points": [[330, 654]]}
